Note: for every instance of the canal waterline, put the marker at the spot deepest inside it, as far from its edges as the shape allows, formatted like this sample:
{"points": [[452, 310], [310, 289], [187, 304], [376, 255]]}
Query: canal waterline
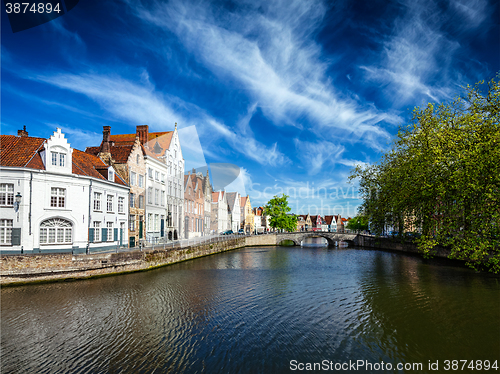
{"points": [[255, 310]]}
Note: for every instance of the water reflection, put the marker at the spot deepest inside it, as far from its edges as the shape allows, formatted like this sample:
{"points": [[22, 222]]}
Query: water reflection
{"points": [[254, 310]]}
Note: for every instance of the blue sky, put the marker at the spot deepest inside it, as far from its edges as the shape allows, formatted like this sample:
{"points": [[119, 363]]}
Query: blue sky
{"points": [[293, 92]]}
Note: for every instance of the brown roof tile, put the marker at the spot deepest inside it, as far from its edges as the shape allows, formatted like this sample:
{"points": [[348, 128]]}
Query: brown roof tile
{"points": [[20, 150]]}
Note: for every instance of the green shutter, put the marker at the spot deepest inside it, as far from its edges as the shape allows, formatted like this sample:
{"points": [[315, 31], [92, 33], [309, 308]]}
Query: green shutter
{"points": [[116, 235], [91, 235], [104, 233], [16, 236]]}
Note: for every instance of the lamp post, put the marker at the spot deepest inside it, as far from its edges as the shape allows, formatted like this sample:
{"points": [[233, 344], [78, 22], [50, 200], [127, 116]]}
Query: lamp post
{"points": [[17, 201]]}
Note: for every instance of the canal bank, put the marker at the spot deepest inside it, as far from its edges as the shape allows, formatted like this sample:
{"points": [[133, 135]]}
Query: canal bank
{"points": [[41, 268]]}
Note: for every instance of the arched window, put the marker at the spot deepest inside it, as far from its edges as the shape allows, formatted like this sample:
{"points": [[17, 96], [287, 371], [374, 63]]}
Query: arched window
{"points": [[56, 231]]}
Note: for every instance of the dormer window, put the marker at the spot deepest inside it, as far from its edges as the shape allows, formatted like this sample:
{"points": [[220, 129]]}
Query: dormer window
{"points": [[111, 176], [58, 159]]}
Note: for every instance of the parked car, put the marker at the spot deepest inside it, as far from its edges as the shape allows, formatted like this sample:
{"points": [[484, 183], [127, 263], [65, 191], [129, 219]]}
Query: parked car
{"points": [[228, 232], [241, 232]]}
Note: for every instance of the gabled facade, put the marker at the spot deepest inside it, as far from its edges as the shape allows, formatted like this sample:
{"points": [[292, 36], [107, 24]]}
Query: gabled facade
{"points": [[129, 162], [247, 215], [207, 204], [219, 216], [331, 223], [162, 170], [194, 209], [69, 200], [233, 202]]}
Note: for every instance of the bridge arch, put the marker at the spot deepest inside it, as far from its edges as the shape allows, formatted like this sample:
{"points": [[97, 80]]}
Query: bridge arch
{"points": [[331, 237]]}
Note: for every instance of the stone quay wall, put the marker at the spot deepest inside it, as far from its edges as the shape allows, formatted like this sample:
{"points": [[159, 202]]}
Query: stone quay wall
{"points": [[38, 268], [34, 268], [367, 241]]}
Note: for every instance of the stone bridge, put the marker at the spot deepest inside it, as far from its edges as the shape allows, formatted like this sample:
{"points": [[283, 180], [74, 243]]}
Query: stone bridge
{"points": [[331, 237]]}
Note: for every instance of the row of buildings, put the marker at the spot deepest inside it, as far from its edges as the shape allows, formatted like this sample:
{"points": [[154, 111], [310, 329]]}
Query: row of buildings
{"points": [[333, 223], [130, 189]]}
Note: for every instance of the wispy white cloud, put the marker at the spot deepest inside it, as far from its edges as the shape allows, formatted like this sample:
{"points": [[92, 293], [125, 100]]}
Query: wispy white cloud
{"points": [[417, 59], [269, 50], [78, 138], [323, 155], [140, 102]]}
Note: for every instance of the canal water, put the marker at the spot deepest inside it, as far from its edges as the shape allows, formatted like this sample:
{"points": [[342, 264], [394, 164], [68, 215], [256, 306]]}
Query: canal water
{"points": [[258, 310]]}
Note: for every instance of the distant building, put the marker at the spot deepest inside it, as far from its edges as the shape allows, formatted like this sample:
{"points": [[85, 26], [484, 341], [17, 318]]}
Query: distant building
{"points": [[233, 202], [247, 215]]}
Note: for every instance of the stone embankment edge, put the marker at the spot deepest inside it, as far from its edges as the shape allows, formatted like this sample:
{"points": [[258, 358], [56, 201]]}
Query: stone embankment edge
{"points": [[14, 268]]}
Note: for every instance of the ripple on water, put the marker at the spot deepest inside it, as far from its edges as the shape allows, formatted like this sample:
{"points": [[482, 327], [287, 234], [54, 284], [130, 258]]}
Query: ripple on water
{"points": [[253, 310]]}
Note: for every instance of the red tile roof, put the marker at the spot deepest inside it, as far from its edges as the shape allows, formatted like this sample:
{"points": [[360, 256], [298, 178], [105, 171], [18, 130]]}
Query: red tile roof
{"points": [[20, 150], [24, 151], [328, 220]]}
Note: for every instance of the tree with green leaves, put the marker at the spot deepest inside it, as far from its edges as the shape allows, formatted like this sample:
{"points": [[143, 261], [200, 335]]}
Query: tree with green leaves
{"points": [[277, 209], [358, 223], [442, 178]]}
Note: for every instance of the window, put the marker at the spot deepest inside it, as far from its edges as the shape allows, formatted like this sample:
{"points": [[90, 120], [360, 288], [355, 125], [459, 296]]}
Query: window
{"points": [[137, 159], [58, 156], [170, 188], [162, 178], [141, 180], [111, 175], [162, 198], [97, 231], [150, 195], [141, 201], [157, 175], [6, 194], [121, 201], [57, 197], [132, 222], [150, 221], [56, 231], [6, 231], [97, 201], [150, 173], [109, 226], [157, 193], [132, 178], [132, 205], [110, 203], [157, 221]]}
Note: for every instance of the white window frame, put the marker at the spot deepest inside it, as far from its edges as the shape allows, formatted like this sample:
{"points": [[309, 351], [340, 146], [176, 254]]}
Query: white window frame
{"points": [[109, 226], [7, 194], [121, 204], [141, 180], [109, 203], [61, 229], [97, 231], [132, 178], [57, 197], [97, 201], [6, 226]]}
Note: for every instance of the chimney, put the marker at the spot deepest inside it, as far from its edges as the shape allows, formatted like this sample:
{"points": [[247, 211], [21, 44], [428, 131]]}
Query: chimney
{"points": [[106, 139], [142, 131], [22, 132]]}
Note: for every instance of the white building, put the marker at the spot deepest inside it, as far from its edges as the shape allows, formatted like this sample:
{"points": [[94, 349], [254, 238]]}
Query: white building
{"points": [[54, 198], [234, 201], [219, 215]]}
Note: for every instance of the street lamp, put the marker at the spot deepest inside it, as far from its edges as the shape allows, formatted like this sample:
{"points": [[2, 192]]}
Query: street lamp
{"points": [[17, 202]]}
